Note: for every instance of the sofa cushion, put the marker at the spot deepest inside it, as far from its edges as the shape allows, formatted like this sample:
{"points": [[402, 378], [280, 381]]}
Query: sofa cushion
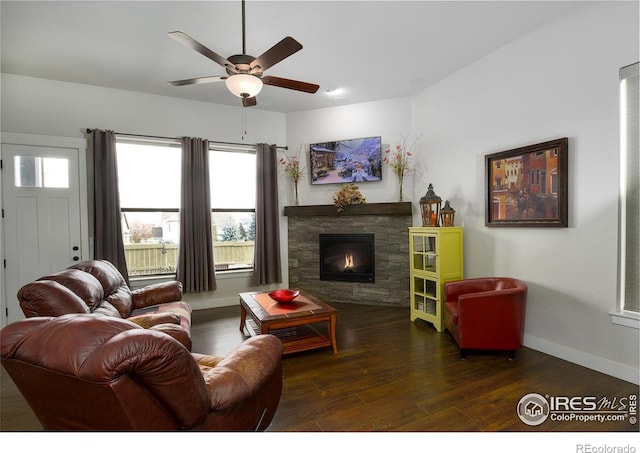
{"points": [[114, 286], [182, 309], [84, 285], [154, 319], [121, 300], [106, 309], [49, 298]]}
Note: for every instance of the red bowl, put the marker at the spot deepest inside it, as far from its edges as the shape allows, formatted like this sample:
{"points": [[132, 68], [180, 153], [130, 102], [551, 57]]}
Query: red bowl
{"points": [[284, 295]]}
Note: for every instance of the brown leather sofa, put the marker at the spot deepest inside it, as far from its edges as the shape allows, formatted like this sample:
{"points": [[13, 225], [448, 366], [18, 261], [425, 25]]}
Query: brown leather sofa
{"points": [[97, 287], [486, 313], [86, 372]]}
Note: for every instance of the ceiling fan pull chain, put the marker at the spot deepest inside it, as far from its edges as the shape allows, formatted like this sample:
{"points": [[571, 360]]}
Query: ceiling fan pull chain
{"points": [[244, 122]]}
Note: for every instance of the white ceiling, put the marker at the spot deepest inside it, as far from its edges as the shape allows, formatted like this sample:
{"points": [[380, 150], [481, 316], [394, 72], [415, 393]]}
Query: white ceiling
{"points": [[370, 49]]}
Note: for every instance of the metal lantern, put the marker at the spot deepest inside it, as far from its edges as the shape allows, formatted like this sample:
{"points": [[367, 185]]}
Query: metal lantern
{"points": [[447, 215], [430, 207]]}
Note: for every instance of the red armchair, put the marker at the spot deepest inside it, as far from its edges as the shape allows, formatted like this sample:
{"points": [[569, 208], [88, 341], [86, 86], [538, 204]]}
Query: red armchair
{"points": [[486, 313]]}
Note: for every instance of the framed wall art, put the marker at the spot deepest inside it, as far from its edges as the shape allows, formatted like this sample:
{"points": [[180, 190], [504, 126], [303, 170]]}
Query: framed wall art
{"points": [[527, 186]]}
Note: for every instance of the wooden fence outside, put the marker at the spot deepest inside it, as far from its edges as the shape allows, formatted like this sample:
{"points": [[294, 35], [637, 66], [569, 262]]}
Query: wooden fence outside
{"points": [[150, 259]]}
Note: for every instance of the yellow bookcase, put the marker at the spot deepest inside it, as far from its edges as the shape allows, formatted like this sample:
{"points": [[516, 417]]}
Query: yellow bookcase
{"points": [[436, 256]]}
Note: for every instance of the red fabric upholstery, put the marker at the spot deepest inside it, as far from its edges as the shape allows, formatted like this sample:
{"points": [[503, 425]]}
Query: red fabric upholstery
{"points": [[486, 313], [98, 373]]}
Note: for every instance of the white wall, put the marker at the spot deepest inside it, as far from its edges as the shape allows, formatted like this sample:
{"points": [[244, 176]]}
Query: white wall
{"points": [[47, 107], [390, 119], [561, 80], [52, 108]]}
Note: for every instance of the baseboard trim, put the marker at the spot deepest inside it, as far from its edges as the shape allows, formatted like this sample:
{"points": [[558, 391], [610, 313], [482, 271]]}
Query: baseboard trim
{"points": [[593, 362], [213, 303]]}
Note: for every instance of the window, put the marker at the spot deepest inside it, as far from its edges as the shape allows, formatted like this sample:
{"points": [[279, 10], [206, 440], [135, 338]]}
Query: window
{"points": [[629, 265], [232, 174], [149, 183], [35, 171], [149, 173]]}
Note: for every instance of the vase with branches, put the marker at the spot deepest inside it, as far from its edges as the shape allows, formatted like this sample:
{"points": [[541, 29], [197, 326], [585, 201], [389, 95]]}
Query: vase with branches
{"points": [[399, 160], [293, 170]]}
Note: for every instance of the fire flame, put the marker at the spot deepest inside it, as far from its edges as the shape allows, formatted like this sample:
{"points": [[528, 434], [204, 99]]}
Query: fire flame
{"points": [[348, 261]]}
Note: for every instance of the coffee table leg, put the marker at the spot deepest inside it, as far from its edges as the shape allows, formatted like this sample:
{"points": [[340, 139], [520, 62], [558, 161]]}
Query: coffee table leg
{"points": [[332, 333], [243, 317]]}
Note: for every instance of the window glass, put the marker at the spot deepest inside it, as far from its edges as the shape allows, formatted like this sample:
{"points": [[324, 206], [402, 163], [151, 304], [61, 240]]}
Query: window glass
{"points": [[629, 266], [233, 198], [233, 182], [149, 175], [149, 184], [151, 242], [35, 171], [233, 239]]}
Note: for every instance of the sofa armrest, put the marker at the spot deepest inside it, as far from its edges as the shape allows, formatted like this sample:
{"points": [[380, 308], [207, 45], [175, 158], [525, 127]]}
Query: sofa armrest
{"points": [[243, 372], [176, 332], [158, 293]]}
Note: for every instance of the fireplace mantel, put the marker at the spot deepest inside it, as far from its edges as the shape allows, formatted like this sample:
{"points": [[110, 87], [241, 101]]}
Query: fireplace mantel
{"points": [[401, 208]]}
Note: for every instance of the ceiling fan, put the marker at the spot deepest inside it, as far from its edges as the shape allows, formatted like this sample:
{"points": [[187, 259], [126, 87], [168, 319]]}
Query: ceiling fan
{"points": [[245, 74]]}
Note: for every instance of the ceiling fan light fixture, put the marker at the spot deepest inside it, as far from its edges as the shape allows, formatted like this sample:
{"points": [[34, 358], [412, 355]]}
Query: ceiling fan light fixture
{"points": [[244, 85]]}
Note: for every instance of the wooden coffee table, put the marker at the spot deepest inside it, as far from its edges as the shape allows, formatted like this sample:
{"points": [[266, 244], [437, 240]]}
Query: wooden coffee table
{"points": [[291, 322]]}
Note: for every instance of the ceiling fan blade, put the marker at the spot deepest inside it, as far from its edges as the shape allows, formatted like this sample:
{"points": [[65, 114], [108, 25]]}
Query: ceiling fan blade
{"points": [[188, 41], [288, 46], [249, 102], [290, 84], [197, 80]]}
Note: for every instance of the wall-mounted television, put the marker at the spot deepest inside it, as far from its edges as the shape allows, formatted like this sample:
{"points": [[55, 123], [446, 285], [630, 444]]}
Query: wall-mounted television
{"points": [[355, 160]]}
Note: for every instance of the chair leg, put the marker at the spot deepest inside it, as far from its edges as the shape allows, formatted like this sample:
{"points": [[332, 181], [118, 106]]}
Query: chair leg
{"points": [[512, 355], [463, 354]]}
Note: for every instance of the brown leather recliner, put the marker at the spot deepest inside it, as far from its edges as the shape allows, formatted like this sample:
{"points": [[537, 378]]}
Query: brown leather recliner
{"points": [[486, 313], [97, 287], [85, 372]]}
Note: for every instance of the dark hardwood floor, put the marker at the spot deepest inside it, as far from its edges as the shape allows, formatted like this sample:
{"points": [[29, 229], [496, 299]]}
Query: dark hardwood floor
{"points": [[394, 375]]}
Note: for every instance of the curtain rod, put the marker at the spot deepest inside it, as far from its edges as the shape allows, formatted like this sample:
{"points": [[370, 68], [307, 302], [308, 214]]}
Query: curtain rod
{"points": [[177, 138]]}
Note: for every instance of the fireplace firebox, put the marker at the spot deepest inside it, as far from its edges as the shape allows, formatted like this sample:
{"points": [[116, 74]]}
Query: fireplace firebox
{"points": [[347, 257]]}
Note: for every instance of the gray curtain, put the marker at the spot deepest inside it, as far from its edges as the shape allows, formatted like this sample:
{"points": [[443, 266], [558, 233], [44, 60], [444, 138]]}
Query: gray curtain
{"points": [[266, 262], [107, 239], [195, 269]]}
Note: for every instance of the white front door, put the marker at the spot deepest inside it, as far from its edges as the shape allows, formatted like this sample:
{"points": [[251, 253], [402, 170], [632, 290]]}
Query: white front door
{"points": [[41, 195]]}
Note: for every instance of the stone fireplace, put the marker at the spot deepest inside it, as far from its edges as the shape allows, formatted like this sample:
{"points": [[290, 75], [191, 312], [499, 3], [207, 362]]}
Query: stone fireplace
{"points": [[377, 229]]}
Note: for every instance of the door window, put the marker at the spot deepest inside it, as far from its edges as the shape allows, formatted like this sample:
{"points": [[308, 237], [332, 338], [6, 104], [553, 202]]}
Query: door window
{"points": [[36, 171]]}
